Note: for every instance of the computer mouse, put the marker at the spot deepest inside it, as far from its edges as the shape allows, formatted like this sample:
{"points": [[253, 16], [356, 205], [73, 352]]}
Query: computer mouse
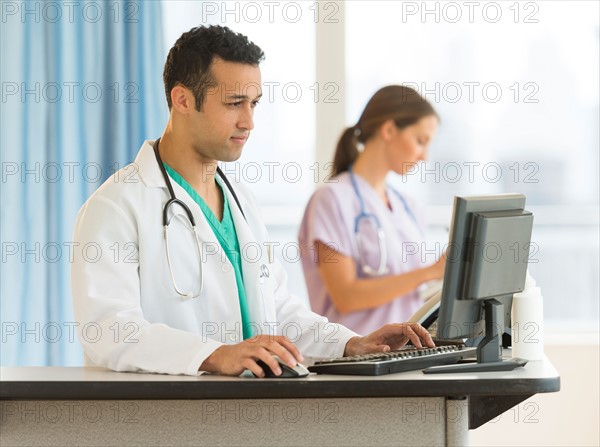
{"points": [[286, 372]]}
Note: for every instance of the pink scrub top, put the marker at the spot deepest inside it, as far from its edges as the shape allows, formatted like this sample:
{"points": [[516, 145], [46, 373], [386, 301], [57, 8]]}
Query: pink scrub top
{"points": [[330, 218]]}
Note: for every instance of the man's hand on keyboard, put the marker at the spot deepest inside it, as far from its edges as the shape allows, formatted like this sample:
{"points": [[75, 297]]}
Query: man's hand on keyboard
{"points": [[389, 337]]}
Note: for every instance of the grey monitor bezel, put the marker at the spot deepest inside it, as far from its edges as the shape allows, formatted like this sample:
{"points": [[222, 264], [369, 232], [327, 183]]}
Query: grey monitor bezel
{"points": [[459, 317]]}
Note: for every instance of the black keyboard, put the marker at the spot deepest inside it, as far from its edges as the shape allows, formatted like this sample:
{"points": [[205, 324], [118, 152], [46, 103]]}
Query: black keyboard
{"points": [[406, 359]]}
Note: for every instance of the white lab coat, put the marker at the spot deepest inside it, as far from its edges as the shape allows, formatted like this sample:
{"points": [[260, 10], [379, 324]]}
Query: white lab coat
{"points": [[130, 317]]}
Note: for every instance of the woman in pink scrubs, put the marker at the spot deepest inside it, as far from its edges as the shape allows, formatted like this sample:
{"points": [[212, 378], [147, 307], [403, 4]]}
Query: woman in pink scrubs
{"points": [[358, 233]]}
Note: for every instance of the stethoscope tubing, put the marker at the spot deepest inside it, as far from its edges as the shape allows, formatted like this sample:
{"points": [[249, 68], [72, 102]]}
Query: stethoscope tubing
{"points": [[382, 269], [173, 200]]}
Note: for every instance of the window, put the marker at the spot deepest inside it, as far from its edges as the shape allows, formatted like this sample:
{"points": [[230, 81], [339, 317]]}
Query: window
{"points": [[516, 86]]}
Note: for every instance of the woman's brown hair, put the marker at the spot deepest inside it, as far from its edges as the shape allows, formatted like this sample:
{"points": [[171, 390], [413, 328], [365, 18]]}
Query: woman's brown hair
{"points": [[396, 102]]}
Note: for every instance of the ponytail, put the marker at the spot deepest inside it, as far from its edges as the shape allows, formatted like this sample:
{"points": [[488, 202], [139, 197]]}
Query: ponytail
{"points": [[346, 151], [399, 103]]}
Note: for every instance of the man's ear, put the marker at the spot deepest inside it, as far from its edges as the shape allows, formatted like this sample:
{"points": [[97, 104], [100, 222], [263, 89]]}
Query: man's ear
{"points": [[387, 130], [182, 99]]}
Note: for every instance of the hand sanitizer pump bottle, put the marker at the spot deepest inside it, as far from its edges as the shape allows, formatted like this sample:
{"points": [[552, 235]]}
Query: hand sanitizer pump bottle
{"points": [[527, 322]]}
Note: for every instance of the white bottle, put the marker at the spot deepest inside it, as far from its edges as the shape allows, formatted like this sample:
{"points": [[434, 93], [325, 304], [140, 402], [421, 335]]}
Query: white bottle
{"points": [[527, 325]]}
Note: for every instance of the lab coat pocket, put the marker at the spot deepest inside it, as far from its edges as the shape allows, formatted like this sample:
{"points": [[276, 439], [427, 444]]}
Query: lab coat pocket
{"points": [[266, 285]]}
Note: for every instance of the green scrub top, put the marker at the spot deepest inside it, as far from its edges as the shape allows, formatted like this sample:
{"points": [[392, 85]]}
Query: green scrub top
{"points": [[227, 237]]}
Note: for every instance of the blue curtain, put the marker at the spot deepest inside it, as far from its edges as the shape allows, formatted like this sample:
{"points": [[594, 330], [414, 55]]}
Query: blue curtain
{"points": [[81, 90]]}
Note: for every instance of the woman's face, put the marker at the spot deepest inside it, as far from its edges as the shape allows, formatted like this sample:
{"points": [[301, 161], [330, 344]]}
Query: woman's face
{"points": [[410, 145]]}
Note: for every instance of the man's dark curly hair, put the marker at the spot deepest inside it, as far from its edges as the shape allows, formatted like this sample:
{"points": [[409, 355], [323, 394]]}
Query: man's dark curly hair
{"points": [[190, 59]]}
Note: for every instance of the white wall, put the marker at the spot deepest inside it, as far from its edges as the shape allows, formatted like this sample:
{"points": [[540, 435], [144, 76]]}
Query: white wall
{"points": [[567, 418]]}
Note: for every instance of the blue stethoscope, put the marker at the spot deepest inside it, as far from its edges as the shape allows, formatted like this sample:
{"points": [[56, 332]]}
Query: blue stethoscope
{"points": [[382, 269]]}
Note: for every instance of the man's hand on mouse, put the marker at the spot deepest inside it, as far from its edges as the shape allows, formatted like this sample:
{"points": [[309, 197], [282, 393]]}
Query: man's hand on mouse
{"points": [[234, 359], [389, 337]]}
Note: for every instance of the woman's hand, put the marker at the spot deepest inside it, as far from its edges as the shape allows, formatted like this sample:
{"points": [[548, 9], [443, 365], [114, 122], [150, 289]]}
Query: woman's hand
{"points": [[436, 270]]}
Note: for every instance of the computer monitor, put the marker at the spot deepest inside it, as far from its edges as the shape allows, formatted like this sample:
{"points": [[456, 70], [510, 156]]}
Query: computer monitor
{"points": [[486, 263]]}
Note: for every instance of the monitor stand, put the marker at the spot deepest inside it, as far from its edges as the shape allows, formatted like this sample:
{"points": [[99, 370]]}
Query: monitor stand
{"points": [[489, 350]]}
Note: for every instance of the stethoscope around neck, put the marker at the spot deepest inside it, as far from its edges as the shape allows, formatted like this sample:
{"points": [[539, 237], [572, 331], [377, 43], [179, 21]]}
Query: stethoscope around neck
{"points": [[173, 200], [363, 216]]}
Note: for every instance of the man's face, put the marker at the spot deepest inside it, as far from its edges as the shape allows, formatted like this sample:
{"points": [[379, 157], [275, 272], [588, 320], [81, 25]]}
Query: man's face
{"points": [[222, 126]]}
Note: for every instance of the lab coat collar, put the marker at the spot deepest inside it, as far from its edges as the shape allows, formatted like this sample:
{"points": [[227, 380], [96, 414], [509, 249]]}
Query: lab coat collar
{"points": [[147, 166], [151, 176]]}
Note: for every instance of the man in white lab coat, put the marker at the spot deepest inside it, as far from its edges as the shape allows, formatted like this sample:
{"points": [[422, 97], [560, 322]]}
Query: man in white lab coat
{"points": [[216, 299]]}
